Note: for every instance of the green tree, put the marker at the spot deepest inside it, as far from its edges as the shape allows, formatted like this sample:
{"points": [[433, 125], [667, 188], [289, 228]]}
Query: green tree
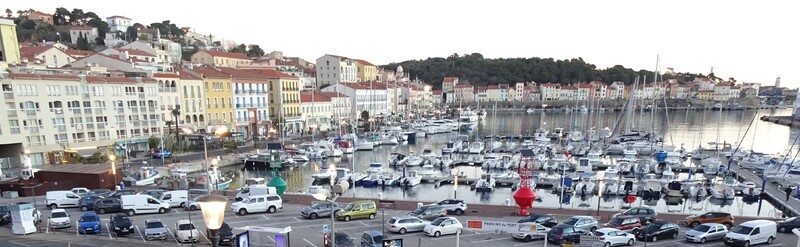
{"points": [[76, 17], [153, 142], [239, 49], [177, 113], [255, 51], [9, 13], [365, 119], [102, 26], [82, 43], [61, 16], [131, 34]]}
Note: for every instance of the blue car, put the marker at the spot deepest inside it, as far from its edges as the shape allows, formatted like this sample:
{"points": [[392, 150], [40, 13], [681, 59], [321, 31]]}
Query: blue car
{"points": [[89, 223], [162, 154]]}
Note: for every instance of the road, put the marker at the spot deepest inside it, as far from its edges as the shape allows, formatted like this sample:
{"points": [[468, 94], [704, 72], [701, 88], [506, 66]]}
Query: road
{"points": [[305, 232]]}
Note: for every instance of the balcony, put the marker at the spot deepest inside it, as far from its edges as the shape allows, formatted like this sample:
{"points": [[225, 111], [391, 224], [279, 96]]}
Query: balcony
{"points": [[167, 90], [120, 110], [154, 122], [79, 140], [121, 125], [85, 95], [87, 110], [11, 113], [33, 130], [90, 125], [141, 95], [8, 95], [134, 109], [143, 109], [98, 111], [30, 112], [151, 108], [61, 127], [101, 125]]}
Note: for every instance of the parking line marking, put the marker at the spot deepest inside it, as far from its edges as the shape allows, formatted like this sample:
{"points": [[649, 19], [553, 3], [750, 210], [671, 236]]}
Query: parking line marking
{"points": [[365, 224], [265, 217], [77, 228], [270, 238], [204, 236], [141, 234], [309, 242], [109, 231], [298, 220], [489, 240], [173, 237]]}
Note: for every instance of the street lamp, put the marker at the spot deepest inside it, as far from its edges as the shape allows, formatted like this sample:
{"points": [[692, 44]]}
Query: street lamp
{"points": [[213, 209], [324, 197], [112, 158]]}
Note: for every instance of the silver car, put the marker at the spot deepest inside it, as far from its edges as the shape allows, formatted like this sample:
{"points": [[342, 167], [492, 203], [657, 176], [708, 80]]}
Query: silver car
{"points": [[405, 223], [586, 223], [154, 229], [706, 232], [532, 231], [319, 209]]}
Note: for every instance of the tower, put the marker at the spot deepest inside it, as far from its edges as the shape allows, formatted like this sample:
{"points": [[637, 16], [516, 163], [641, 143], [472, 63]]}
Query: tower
{"points": [[778, 82]]}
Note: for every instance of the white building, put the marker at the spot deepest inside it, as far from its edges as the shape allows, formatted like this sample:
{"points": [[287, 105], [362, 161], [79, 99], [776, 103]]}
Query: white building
{"points": [[89, 32], [332, 69], [362, 97], [47, 55], [550, 91], [341, 111], [118, 23], [317, 111], [166, 50]]}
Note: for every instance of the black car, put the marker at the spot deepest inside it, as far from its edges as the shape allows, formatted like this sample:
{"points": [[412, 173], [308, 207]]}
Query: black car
{"points": [[108, 205], [658, 230], [543, 219], [121, 224], [99, 192], [226, 236], [342, 240], [787, 225], [565, 234], [86, 202], [646, 215], [5, 215], [119, 193]]}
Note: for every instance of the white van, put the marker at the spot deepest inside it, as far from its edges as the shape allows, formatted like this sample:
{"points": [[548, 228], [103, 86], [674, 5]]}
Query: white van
{"points": [[256, 204], [61, 199], [175, 198], [255, 190], [142, 204], [751, 233]]}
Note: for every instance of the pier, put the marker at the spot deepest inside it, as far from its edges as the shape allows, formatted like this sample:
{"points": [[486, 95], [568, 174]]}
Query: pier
{"points": [[782, 120], [772, 191]]}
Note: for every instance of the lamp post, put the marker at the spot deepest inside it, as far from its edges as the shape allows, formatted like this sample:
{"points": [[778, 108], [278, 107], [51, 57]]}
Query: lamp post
{"points": [[455, 184], [213, 209], [324, 197], [112, 158]]}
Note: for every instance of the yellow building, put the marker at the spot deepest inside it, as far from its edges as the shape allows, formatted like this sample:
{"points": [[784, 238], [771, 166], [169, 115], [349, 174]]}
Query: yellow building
{"points": [[218, 92], [221, 59], [284, 99], [9, 46], [705, 94], [366, 71]]}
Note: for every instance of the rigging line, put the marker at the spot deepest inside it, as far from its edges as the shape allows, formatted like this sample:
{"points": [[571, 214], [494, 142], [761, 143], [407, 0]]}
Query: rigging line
{"points": [[788, 152], [793, 158], [730, 159]]}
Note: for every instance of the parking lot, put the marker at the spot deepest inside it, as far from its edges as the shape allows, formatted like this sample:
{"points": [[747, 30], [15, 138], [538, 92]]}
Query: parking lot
{"points": [[305, 232]]}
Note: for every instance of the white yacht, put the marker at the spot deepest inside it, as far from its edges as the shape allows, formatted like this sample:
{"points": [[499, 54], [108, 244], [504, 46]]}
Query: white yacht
{"points": [[324, 174], [476, 147], [594, 156], [711, 166], [364, 145], [611, 174], [697, 190], [722, 192], [667, 176], [373, 175], [508, 162], [674, 189], [628, 187], [414, 160], [612, 187], [329, 149], [312, 151], [629, 153], [585, 186], [450, 147], [428, 172], [411, 179], [491, 161], [652, 188], [398, 159], [485, 184]]}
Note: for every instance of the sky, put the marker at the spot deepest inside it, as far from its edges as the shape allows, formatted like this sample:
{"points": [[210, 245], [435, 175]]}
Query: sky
{"points": [[750, 41]]}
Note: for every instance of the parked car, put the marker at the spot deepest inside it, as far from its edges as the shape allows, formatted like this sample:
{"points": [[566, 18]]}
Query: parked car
{"points": [[645, 214], [108, 205], [319, 209], [5, 215], [80, 191], [358, 210], [428, 212], [751, 233], [706, 232], [625, 223], [787, 225], [344, 240], [86, 202], [186, 232], [586, 223], [563, 233], [154, 229], [123, 192], [614, 237], [535, 231], [405, 223], [457, 207], [226, 236], [142, 204], [157, 154], [99, 192], [89, 223], [372, 238], [61, 199], [121, 224], [658, 230], [710, 217], [443, 226], [192, 205], [542, 219], [256, 204], [59, 219], [154, 193]]}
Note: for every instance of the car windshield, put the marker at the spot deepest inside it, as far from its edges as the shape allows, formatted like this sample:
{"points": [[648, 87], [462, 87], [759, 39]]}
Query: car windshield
{"points": [[615, 222], [419, 210], [654, 227], [557, 230], [88, 218], [154, 224], [571, 221], [599, 233], [377, 239], [392, 221], [742, 230], [121, 218], [59, 215], [349, 207], [438, 221], [186, 227], [702, 228]]}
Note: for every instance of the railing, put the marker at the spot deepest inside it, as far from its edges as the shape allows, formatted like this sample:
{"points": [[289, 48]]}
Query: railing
{"points": [[167, 90], [30, 112], [8, 95], [11, 113], [121, 124], [151, 109], [90, 125], [15, 130], [134, 109], [101, 125], [87, 110], [79, 140], [143, 108], [85, 95], [120, 110], [33, 130], [61, 127], [98, 111]]}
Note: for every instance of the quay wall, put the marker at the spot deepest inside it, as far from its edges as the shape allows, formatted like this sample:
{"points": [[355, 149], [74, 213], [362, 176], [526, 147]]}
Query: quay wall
{"points": [[783, 120]]}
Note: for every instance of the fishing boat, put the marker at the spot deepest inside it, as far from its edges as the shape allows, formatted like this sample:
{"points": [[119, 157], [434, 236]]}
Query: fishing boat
{"points": [[476, 147], [373, 175], [722, 192], [217, 180], [485, 184], [674, 189], [146, 175], [652, 189], [411, 179]]}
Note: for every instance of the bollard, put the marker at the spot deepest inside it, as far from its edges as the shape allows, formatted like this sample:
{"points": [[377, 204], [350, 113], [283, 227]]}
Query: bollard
{"points": [[419, 205]]}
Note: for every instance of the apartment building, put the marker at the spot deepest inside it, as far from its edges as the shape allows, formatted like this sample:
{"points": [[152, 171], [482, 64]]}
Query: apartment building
{"points": [[363, 97], [340, 113], [317, 111], [218, 91], [332, 69], [192, 98], [284, 99], [250, 96]]}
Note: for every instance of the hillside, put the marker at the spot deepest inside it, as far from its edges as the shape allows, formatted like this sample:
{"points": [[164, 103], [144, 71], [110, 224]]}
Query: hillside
{"points": [[477, 70]]}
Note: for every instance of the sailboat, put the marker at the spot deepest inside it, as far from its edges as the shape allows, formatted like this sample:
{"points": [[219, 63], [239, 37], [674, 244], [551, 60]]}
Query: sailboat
{"points": [[722, 192]]}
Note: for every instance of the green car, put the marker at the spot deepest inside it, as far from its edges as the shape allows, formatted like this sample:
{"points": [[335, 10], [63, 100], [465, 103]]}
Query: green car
{"points": [[358, 210]]}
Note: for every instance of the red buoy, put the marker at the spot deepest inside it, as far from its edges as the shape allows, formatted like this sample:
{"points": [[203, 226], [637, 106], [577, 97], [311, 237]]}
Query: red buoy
{"points": [[630, 199], [524, 198]]}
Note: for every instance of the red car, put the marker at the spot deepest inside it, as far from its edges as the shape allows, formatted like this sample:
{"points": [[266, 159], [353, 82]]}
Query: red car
{"points": [[625, 223]]}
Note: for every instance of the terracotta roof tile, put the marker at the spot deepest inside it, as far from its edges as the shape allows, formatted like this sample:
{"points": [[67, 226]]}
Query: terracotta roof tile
{"points": [[550, 85], [317, 97], [81, 27], [30, 52], [163, 75], [208, 72], [271, 73], [78, 53], [226, 54], [364, 62], [136, 52], [185, 75], [449, 79]]}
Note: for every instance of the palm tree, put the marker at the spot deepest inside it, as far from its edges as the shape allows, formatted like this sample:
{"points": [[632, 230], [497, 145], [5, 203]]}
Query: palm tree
{"points": [[8, 13], [176, 112]]}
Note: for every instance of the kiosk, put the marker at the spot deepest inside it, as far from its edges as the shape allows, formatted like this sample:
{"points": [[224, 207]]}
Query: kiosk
{"points": [[22, 219]]}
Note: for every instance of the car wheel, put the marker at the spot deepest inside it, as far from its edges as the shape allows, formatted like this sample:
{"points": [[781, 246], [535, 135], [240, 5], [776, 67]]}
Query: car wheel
{"points": [[192, 208], [271, 209], [162, 210], [372, 216], [102, 211], [729, 225], [52, 206], [527, 238], [84, 208], [437, 234], [746, 244], [402, 231], [593, 228], [183, 204], [769, 240], [635, 231], [630, 242], [695, 224], [242, 211], [703, 240], [313, 216], [347, 218], [655, 238], [783, 229], [674, 235], [459, 212], [607, 244]]}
